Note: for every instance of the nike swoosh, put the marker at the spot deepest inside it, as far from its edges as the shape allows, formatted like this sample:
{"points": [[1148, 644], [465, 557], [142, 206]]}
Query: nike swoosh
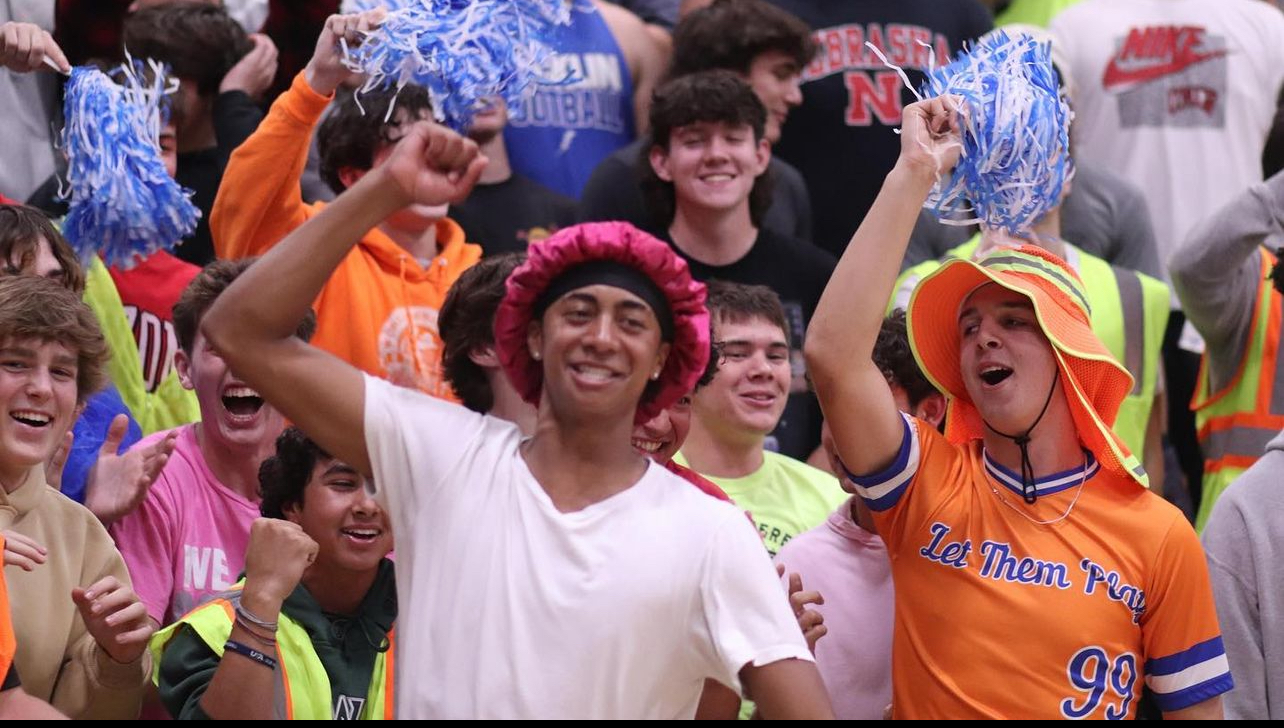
{"points": [[1119, 79]]}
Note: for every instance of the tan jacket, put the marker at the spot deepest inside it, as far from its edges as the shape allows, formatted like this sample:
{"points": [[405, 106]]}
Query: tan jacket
{"points": [[58, 659]]}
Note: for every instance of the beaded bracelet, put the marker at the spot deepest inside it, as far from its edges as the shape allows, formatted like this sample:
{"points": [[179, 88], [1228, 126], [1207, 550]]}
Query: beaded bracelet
{"points": [[245, 650], [245, 614], [265, 641]]}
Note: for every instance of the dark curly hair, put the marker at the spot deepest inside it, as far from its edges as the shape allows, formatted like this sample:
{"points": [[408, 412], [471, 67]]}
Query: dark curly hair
{"points": [[708, 97], [284, 477], [895, 359], [356, 128], [729, 34], [467, 323], [198, 40], [200, 293]]}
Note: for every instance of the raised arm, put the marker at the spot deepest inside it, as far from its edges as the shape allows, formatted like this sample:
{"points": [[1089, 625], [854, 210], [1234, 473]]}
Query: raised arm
{"points": [[1216, 270], [646, 49], [252, 324], [260, 199], [840, 341]]}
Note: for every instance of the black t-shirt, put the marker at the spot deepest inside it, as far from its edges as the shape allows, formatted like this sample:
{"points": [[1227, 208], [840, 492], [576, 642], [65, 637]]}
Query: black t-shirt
{"points": [[797, 271], [841, 138], [236, 116], [505, 217], [614, 192], [11, 680]]}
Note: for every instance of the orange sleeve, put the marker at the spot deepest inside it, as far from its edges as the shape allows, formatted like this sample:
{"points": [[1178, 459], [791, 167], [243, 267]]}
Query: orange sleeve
{"points": [[259, 200], [904, 495], [8, 642]]}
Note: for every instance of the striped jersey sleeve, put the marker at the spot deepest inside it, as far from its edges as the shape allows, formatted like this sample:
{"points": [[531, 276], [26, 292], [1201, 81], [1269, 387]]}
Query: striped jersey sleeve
{"points": [[882, 490], [1185, 659]]}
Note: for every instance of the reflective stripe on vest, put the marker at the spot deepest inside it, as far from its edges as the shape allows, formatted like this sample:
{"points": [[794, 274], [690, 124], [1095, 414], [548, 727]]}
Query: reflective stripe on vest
{"points": [[302, 689], [1236, 422], [1129, 314]]}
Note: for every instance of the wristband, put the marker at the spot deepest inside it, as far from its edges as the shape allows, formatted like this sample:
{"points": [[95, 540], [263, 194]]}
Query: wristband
{"points": [[268, 642], [245, 614], [249, 652]]}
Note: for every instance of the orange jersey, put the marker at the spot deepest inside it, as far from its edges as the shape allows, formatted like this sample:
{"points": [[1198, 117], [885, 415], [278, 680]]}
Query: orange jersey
{"points": [[1001, 617], [8, 643]]}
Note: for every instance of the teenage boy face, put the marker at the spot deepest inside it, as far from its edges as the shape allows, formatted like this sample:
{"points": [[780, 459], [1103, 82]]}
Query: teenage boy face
{"points": [[232, 413], [662, 437], [600, 346], [776, 78], [751, 388], [351, 530], [712, 165], [38, 390], [1006, 361]]}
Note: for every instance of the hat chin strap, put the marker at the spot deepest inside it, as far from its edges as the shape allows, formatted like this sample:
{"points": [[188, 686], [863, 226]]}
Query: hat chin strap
{"points": [[1028, 492]]}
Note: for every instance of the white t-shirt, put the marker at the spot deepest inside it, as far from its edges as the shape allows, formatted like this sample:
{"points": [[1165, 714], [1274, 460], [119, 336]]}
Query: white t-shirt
{"points": [[511, 609], [1177, 97]]}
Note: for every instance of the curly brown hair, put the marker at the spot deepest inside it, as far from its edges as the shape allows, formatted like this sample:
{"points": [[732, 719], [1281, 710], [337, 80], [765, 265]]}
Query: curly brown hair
{"points": [[356, 129], [40, 309], [895, 359], [284, 476]]}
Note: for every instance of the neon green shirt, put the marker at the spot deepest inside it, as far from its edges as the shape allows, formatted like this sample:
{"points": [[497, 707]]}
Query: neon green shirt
{"points": [[785, 496]]}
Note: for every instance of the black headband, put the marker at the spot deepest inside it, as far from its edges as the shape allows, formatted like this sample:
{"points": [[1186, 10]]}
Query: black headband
{"points": [[616, 275]]}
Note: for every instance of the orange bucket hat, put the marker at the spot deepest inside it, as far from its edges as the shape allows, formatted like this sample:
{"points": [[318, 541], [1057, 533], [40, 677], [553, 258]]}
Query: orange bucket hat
{"points": [[1094, 382]]}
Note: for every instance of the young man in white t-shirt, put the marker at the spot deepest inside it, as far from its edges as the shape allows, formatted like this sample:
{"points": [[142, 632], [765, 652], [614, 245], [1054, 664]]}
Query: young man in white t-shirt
{"points": [[562, 575]]}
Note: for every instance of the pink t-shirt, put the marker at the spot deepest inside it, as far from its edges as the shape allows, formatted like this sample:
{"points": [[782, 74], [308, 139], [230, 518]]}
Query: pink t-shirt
{"points": [[187, 540], [849, 567]]}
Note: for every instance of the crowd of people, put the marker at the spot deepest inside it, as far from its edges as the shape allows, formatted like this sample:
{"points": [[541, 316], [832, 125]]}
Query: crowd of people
{"points": [[675, 399]]}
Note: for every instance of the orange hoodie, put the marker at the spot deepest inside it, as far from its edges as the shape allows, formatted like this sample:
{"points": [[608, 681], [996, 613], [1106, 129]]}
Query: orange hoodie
{"points": [[379, 309]]}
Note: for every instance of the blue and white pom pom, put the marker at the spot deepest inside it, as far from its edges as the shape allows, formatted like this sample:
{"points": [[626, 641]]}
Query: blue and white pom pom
{"points": [[463, 52], [1015, 160], [124, 205]]}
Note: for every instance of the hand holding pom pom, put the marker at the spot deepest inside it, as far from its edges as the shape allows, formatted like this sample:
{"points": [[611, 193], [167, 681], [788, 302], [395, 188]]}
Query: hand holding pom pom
{"points": [[931, 137]]}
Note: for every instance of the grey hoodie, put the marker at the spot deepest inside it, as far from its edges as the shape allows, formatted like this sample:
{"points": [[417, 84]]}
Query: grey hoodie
{"points": [[1216, 271], [1244, 543]]}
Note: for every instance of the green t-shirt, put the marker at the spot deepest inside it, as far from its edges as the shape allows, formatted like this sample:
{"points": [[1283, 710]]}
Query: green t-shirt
{"points": [[786, 497]]}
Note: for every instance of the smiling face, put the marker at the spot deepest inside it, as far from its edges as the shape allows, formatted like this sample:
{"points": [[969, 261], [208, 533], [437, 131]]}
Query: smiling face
{"points": [[600, 346], [748, 394], [662, 437], [232, 414], [339, 513], [776, 79], [38, 390], [1006, 361], [712, 165]]}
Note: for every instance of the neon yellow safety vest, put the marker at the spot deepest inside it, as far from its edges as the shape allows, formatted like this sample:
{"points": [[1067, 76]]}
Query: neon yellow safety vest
{"points": [[302, 687], [1235, 423], [1129, 314], [171, 404]]}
